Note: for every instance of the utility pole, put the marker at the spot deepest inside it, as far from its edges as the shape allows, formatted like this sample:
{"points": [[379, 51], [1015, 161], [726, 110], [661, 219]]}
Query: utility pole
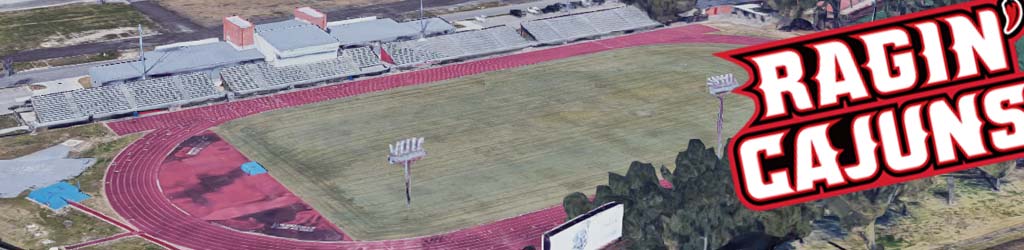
{"points": [[142, 54]]}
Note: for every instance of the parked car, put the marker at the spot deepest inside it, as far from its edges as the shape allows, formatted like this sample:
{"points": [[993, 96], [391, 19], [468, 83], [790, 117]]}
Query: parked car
{"points": [[517, 13]]}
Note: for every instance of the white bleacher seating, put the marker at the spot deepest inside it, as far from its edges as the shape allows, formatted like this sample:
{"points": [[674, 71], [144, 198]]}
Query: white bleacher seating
{"points": [[565, 29], [456, 46], [108, 100], [256, 77]]}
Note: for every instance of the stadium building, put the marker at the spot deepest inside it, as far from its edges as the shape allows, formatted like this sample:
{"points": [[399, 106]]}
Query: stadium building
{"points": [[306, 51]]}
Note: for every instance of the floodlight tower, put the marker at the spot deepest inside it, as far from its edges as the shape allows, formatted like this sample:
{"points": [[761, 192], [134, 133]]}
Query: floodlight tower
{"points": [[719, 86], [423, 23], [406, 152], [142, 54]]}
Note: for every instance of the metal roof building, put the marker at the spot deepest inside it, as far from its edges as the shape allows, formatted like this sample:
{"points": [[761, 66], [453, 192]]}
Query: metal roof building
{"points": [[296, 38], [173, 60], [385, 30], [292, 41], [434, 26], [360, 33]]}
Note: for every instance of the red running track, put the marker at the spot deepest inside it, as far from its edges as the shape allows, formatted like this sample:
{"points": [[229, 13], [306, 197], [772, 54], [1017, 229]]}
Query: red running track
{"points": [[133, 189]]}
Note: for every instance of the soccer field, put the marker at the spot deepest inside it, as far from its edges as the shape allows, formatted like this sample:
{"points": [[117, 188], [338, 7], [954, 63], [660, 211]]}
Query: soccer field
{"points": [[499, 144]]}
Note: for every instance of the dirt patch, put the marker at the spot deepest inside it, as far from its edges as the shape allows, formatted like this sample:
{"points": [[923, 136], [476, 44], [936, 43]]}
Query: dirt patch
{"points": [[748, 29], [8, 121], [210, 13], [17, 146], [61, 40], [69, 24], [86, 82], [64, 61]]}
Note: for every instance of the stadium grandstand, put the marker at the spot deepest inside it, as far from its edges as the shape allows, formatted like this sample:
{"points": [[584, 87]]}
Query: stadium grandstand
{"points": [[112, 100], [565, 29], [456, 46], [263, 77], [306, 50], [206, 57]]}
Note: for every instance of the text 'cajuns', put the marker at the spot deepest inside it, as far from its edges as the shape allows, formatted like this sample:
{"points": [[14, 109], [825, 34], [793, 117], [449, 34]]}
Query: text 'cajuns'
{"points": [[878, 104]]}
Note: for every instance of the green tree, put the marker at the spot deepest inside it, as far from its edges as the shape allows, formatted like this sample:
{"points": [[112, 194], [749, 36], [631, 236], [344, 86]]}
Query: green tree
{"points": [[663, 10], [699, 211], [912, 191], [858, 211], [996, 172], [576, 204]]}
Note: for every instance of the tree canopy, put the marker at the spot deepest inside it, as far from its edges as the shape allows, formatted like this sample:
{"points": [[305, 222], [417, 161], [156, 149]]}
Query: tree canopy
{"points": [[699, 211]]}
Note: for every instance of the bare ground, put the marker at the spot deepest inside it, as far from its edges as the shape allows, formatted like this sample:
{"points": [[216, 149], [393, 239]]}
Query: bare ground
{"points": [[210, 13]]}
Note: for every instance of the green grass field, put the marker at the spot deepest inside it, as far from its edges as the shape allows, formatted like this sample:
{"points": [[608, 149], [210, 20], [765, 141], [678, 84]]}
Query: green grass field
{"points": [[499, 144], [24, 30]]}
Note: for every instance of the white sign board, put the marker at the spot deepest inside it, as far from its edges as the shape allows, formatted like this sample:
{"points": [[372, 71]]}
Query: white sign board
{"points": [[590, 231], [722, 84]]}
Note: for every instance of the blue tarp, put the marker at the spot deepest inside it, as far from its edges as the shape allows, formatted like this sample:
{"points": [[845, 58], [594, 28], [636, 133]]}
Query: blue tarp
{"points": [[55, 195], [253, 168]]}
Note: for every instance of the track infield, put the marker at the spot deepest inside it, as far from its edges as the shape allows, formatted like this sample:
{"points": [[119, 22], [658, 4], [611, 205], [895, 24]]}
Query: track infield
{"points": [[499, 144]]}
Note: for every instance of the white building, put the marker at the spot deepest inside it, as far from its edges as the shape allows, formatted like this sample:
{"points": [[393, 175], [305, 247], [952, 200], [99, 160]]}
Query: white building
{"points": [[293, 42]]}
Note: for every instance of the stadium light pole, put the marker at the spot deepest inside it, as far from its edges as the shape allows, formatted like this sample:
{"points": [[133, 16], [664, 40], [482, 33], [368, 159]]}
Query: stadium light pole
{"points": [[719, 86], [406, 152], [142, 54], [423, 23]]}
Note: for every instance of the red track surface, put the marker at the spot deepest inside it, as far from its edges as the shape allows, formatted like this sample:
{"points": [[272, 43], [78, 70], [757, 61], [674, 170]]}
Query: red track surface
{"points": [[210, 185], [134, 192]]}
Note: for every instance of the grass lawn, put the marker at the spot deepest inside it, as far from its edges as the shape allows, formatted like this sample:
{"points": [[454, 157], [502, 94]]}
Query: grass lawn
{"points": [[8, 121], [500, 144], [25, 30], [64, 61], [211, 13], [129, 243], [16, 146], [932, 224], [29, 225]]}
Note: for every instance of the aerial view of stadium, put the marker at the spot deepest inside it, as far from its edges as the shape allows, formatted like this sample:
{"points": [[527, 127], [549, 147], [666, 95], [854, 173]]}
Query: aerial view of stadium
{"points": [[429, 124]]}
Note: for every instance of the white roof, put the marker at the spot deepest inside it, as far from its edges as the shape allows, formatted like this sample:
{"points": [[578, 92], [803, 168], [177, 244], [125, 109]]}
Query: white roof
{"points": [[311, 12], [242, 23]]}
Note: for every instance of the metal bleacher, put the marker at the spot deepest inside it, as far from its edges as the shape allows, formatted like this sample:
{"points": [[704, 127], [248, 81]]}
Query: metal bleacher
{"points": [[570, 28], [455, 46], [111, 100], [258, 77], [56, 107], [363, 56]]}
